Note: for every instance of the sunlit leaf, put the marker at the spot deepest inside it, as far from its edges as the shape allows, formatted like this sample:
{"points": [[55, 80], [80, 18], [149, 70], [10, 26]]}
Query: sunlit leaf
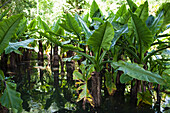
{"points": [[137, 72], [77, 75], [143, 34], [14, 46], [142, 11], [8, 28], [102, 37], [94, 10], [84, 27], [132, 5], [122, 10]]}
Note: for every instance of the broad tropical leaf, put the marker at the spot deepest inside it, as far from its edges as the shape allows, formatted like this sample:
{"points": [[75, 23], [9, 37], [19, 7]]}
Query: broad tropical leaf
{"points": [[132, 5], [143, 34], [157, 23], [56, 26], [142, 11], [122, 10], [124, 19], [22, 27], [124, 78], [82, 81], [8, 28], [11, 98], [102, 37], [165, 8], [14, 46], [119, 33], [135, 71], [94, 10], [71, 24], [32, 24], [84, 27], [77, 75], [42, 25]]}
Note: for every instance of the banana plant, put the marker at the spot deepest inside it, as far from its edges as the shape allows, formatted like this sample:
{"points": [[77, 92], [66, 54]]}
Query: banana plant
{"points": [[82, 82], [135, 42], [10, 98], [8, 29]]}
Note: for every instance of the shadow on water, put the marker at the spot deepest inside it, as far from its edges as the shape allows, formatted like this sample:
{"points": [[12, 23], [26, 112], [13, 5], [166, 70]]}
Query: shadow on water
{"points": [[41, 95]]}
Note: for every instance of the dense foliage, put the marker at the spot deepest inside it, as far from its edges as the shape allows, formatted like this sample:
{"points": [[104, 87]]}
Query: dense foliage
{"points": [[127, 48]]}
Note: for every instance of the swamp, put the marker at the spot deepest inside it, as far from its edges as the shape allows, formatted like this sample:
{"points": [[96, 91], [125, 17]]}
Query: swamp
{"points": [[77, 56]]}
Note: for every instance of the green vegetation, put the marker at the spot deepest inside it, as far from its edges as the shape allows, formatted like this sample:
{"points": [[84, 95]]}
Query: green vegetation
{"points": [[85, 56]]}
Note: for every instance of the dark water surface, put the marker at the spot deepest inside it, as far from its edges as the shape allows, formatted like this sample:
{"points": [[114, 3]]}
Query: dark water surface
{"points": [[42, 95]]}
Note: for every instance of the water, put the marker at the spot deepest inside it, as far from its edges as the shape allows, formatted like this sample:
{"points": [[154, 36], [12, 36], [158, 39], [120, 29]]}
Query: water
{"points": [[44, 96]]}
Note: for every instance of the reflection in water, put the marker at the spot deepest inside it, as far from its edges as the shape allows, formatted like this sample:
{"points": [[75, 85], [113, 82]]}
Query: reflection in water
{"points": [[41, 94]]}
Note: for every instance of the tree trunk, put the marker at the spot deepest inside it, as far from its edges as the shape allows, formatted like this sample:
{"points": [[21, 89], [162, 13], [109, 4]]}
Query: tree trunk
{"points": [[41, 59], [13, 65], [134, 90], [4, 60], [56, 66], [70, 66], [120, 87], [96, 89]]}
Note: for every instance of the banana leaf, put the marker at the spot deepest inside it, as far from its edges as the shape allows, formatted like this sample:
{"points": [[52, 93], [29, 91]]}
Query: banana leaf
{"points": [[142, 33], [10, 98], [142, 11], [102, 37], [14, 46], [95, 10], [135, 71], [8, 28], [132, 5]]}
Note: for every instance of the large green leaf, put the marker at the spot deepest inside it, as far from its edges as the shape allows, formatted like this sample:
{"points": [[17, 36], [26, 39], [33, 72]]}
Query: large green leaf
{"points": [[42, 25], [132, 5], [142, 11], [143, 34], [32, 24], [137, 72], [102, 37], [71, 24], [94, 9], [84, 27], [157, 23], [122, 10], [22, 26], [14, 46], [11, 98], [77, 75], [165, 8], [8, 28], [56, 26], [119, 33], [124, 78], [124, 18]]}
